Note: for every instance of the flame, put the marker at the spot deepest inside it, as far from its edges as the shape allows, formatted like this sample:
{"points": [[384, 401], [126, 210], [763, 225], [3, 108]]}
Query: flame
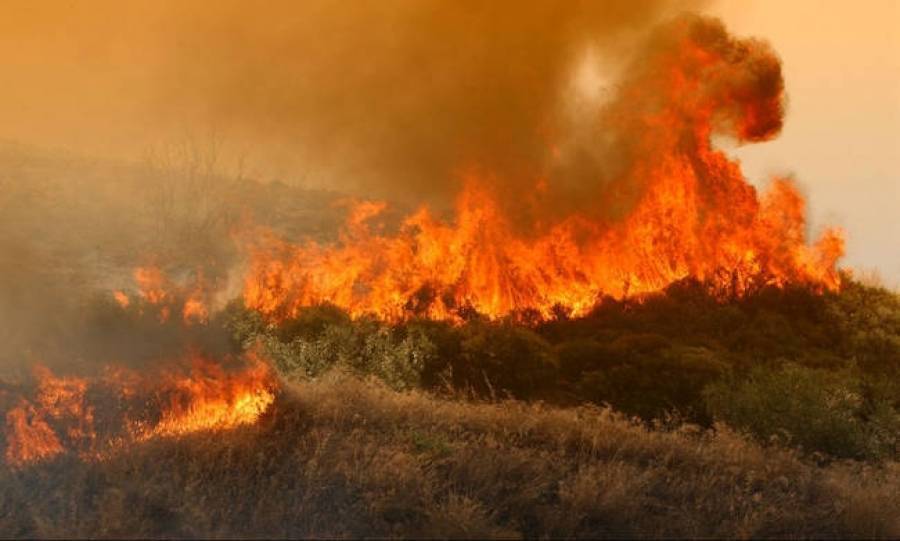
{"points": [[152, 284], [121, 298], [62, 414], [694, 214], [156, 289], [194, 309], [210, 398], [30, 438], [29, 434]]}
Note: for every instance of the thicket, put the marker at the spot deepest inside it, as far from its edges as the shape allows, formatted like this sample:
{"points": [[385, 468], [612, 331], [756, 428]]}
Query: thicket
{"points": [[820, 372]]}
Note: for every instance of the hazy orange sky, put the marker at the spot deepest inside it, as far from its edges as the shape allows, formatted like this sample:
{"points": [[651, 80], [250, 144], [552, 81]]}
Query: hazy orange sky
{"points": [[841, 138], [81, 75]]}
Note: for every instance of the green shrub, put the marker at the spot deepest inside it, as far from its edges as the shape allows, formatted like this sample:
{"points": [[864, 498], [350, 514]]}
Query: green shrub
{"points": [[655, 381], [817, 410], [322, 339], [311, 322], [437, 372], [645, 356], [868, 321], [302, 359], [580, 355], [244, 325], [399, 362], [504, 357]]}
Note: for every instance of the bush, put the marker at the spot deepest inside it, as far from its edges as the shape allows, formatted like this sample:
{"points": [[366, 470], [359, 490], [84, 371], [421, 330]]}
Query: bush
{"points": [[243, 325], [437, 372], [320, 339], [813, 409], [868, 321], [653, 382], [398, 362], [648, 356], [311, 322], [505, 357], [580, 355]]}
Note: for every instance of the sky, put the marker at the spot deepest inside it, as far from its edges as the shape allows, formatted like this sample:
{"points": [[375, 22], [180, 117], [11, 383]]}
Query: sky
{"points": [[86, 76], [841, 139]]}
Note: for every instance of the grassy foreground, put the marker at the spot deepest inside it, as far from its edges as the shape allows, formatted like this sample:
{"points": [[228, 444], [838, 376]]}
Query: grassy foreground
{"points": [[345, 458]]}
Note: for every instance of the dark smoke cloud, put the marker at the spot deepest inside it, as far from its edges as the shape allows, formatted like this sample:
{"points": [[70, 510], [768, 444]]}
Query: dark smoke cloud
{"points": [[732, 87], [393, 98], [389, 99], [401, 93]]}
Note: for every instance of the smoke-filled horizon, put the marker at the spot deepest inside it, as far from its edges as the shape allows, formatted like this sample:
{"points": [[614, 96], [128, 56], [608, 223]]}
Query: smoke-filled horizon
{"points": [[388, 98], [397, 99]]}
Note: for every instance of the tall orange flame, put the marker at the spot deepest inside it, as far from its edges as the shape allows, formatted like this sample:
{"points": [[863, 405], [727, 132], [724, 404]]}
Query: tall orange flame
{"points": [[694, 214]]}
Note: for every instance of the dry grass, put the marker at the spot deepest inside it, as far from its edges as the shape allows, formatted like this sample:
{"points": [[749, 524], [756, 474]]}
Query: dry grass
{"points": [[346, 458]]}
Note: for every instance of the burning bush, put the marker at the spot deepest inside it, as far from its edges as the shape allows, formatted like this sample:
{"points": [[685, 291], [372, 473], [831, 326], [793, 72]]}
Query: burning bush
{"points": [[677, 208], [682, 353], [95, 417]]}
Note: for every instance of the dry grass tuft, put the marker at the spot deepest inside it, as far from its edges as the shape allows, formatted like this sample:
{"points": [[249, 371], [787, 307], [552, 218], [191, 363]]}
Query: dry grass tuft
{"points": [[346, 458]]}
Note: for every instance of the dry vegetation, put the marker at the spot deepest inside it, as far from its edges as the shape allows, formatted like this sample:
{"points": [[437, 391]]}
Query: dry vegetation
{"points": [[629, 340], [342, 457], [777, 415]]}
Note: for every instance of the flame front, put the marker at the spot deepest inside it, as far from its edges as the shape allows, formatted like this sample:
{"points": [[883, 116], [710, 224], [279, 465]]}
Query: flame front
{"points": [[691, 213], [210, 398], [155, 289], [63, 413]]}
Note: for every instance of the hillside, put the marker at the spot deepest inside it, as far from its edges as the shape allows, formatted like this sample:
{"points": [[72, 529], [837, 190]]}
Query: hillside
{"points": [[678, 413], [430, 269], [345, 458]]}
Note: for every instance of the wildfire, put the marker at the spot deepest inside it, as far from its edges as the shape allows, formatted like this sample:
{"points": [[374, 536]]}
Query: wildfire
{"points": [[691, 213], [210, 398], [93, 416], [121, 298], [155, 289]]}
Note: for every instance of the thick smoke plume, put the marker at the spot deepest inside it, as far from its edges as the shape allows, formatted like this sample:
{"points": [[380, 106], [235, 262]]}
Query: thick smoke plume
{"points": [[586, 126], [646, 201], [386, 99], [391, 97]]}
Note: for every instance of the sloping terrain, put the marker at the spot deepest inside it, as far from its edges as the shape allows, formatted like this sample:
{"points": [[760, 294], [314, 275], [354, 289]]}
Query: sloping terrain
{"points": [[772, 414], [341, 457]]}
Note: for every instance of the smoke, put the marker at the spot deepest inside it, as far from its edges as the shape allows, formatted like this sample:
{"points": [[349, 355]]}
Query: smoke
{"points": [[393, 98], [688, 80], [399, 95], [625, 200], [559, 107]]}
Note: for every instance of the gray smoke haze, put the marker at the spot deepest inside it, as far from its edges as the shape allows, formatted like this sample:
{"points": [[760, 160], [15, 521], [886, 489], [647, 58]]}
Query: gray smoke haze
{"points": [[399, 94], [394, 99], [390, 98]]}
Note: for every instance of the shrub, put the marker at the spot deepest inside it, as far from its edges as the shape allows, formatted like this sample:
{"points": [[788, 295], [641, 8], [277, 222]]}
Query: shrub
{"points": [[244, 325], [868, 321], [813, 409], [397, 362], [312, 321], [437, 372], [580, 355], [656, 381], [324, 339], [505, 357]]}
